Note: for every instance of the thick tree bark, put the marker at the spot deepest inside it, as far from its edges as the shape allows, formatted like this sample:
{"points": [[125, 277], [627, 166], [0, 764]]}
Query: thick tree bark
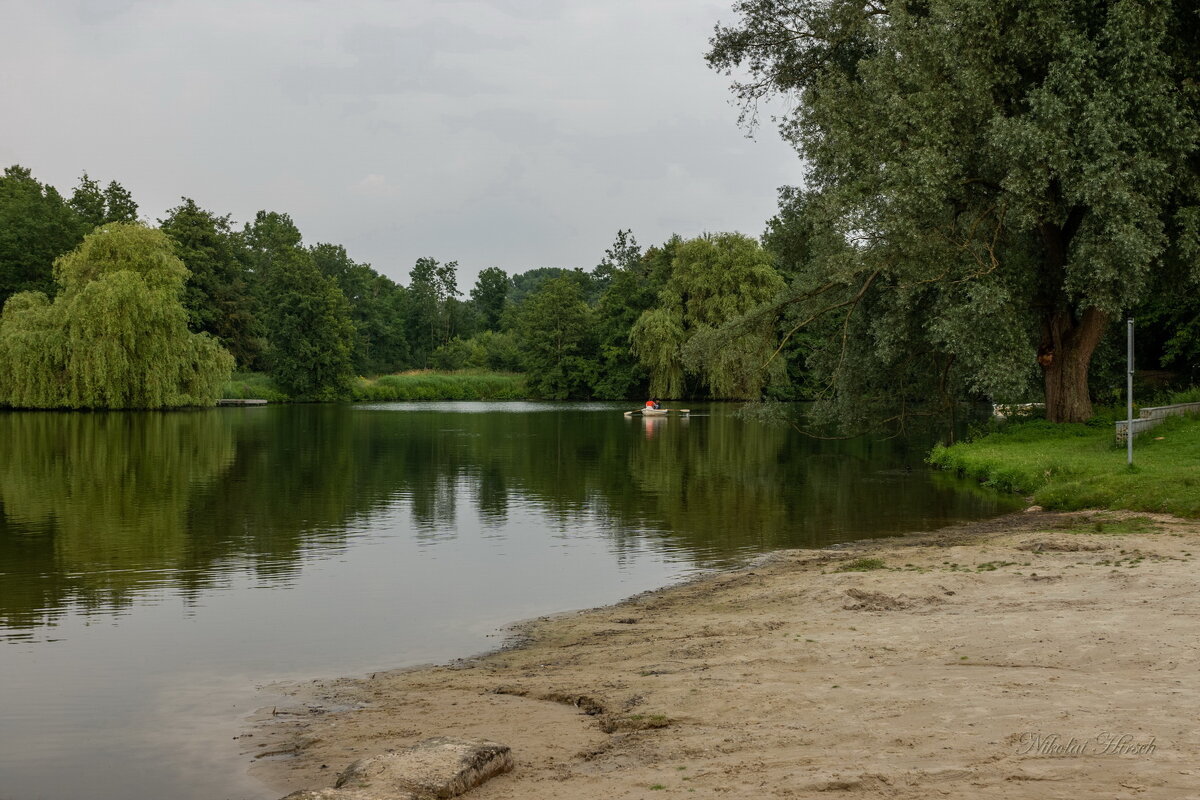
{"points": [[1064, 355]]}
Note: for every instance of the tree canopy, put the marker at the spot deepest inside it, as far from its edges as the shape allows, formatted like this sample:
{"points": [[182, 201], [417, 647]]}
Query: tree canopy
{"points": [[555, 330], [217, 295], [36, 227], [1008, 176], [306, 315], [378, 307], [115, 336], [715, 279], [490, 295], [97, 206]]}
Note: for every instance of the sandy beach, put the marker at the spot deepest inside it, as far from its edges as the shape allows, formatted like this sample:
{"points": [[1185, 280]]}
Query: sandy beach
{"points": [[1037, 655]]}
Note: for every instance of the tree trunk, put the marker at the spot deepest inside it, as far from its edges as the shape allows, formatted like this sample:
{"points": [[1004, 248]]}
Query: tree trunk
{"points": [[1064, 355]]}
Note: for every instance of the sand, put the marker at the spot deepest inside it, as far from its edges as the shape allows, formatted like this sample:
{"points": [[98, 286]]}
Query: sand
{"points": [[1029, 656]]}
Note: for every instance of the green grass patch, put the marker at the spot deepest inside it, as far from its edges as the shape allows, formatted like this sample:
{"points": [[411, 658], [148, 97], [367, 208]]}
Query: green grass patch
{"points": [[1116, 526], [253, 385], [427, 385], [862, 565], [1078, 466], [424, 385], [992, 566]]}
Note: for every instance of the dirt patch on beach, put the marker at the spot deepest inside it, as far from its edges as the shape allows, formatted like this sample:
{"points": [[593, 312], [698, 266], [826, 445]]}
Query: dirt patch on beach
{"points": [[1038, 655]]}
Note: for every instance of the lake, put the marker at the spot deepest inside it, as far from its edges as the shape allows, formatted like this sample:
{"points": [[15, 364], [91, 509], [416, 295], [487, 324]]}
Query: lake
{"points": [[157, 568]]}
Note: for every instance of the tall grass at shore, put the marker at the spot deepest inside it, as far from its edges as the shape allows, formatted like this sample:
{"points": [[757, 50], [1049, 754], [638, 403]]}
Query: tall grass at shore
{"points": [[426, 385], [423, 385], [1081, 466], [253, 385]]}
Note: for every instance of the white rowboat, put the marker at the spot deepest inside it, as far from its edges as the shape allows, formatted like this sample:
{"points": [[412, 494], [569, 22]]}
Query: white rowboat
{"points": [[656, 412]]}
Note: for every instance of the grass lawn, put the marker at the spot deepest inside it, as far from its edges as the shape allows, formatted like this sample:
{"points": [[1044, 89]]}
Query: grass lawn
{"points": [[415, 385], [1080, 466], [428, 385], [253, 385]]}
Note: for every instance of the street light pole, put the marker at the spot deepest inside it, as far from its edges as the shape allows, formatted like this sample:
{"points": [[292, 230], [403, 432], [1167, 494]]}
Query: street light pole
{"points": [[1129, 394]]}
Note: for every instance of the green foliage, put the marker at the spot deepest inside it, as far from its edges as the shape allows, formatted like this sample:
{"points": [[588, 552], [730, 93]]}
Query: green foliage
{"points": [[305, 314], [119, 205], [1078, 466], [377, 309], [432, 293], [1168, 332], [1191, 395], [495, 351], [658, 338], [115, 336], [555, 329], [96, 206], [489, 296], [36, 227], [489, 350], [217, 295], [716, 280], [455, 354], [88, 202], [631, 283], [625, 255], [1011, 175], [526, 284], [271, 234], [309, 329]]}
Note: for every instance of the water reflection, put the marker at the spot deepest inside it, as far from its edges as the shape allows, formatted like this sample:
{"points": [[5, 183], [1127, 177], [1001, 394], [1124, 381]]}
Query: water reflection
{"points": [[154, 567], [99, 507], [96, 505]]}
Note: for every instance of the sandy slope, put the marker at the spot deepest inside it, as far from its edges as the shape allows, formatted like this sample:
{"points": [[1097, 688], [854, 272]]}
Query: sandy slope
{"points": [[790, 679]]}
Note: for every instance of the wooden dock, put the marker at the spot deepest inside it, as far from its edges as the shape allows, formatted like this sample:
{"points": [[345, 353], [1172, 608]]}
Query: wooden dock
{"points": [[240, 402]]}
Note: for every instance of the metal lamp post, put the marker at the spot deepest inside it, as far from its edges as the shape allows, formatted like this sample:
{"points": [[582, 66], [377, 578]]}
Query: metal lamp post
{"points": [[1129, 393]]}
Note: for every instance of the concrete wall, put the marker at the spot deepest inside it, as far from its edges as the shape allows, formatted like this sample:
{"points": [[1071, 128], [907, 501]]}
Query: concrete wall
{"points": [[1152, 417]]}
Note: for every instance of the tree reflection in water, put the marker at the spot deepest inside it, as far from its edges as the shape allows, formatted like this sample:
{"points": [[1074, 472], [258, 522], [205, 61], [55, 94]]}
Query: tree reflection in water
{"points": [[97, 508]]}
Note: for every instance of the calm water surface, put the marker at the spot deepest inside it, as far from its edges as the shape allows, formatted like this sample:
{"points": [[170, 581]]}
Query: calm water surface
{"points": [[156, 568]]}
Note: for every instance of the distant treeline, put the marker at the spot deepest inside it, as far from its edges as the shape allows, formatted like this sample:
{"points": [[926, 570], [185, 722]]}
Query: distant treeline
{"points": [[315, 320], [721, 316]]}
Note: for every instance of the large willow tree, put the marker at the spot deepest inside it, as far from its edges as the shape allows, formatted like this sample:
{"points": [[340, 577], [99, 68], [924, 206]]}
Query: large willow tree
{"points": [[115, 335], [1010, 177], [715, 279]]}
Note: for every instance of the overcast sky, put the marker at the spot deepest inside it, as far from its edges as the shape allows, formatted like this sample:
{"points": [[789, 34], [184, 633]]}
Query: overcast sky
{"points": [[511, 133]]}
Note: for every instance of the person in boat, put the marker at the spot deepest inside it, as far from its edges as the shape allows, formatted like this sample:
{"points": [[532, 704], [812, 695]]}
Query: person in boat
{"points": [[650, 404]]}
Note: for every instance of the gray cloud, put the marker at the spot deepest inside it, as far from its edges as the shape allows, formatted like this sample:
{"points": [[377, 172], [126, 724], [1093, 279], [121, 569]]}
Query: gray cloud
{"points": [[515, 133]]}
